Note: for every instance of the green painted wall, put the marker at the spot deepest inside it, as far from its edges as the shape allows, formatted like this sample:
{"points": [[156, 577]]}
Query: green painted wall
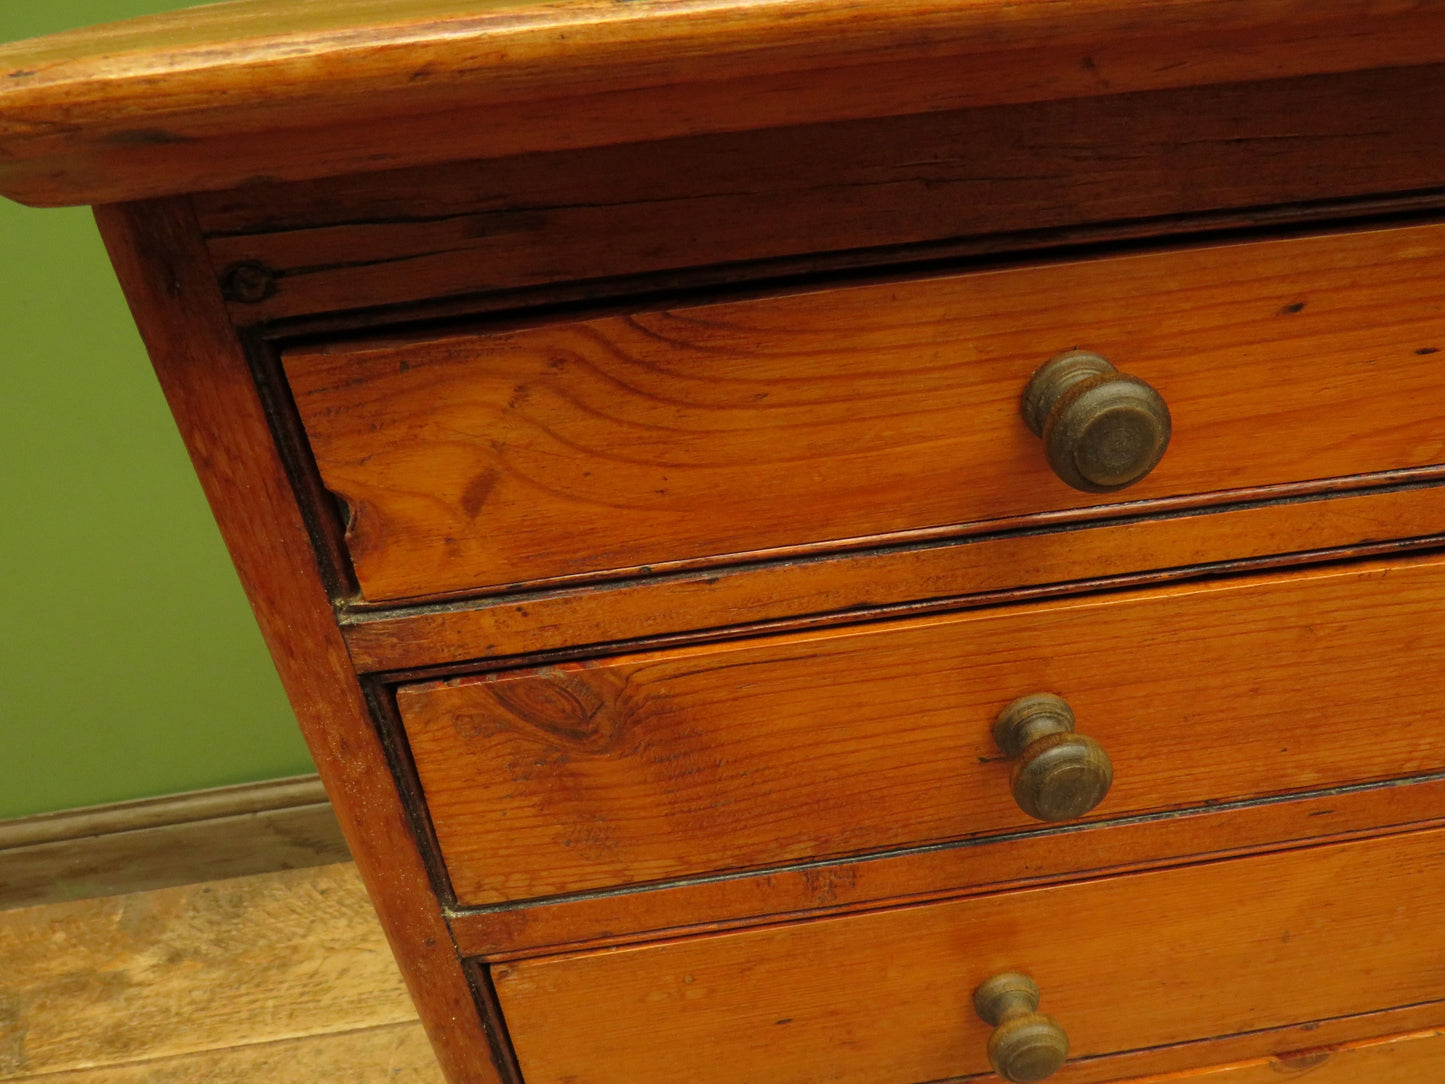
{"points": [[129, 662]]}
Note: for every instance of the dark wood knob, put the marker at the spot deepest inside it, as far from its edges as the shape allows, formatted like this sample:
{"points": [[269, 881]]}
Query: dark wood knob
{"points": [[1025, 1045], [1057, 775], [1102, 429]]}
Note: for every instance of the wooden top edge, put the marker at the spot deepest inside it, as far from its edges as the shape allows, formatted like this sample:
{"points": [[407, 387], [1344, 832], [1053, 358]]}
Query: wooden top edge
{"points": [[157, 88]]}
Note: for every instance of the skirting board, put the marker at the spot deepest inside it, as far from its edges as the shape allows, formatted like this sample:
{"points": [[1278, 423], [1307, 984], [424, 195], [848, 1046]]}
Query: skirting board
{"points": [[159, 842]]}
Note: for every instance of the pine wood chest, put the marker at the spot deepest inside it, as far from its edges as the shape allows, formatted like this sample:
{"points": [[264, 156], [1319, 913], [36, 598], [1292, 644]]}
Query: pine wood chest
{"points": [[881, 543]]}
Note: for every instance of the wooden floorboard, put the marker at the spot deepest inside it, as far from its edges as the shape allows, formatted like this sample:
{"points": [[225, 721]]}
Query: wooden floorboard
{"points": [[395, 1053], [278, 977]]}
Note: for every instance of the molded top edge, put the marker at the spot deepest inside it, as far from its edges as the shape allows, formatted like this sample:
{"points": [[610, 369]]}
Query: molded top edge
{"points": [[157, 105]]}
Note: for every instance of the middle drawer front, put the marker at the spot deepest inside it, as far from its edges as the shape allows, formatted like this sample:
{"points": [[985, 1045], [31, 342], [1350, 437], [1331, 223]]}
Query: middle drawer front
{"points": [[654, 766], [1123, 963]]}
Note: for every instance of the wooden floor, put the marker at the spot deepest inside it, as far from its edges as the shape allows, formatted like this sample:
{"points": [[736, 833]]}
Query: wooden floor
{"points": [[277, 977]]}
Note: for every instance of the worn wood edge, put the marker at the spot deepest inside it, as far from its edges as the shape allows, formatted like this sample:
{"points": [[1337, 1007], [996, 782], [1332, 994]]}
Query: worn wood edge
{"points": [[162, 811], [357, 608], [1309, 1061], [354, 1056], [783, 273], [1291, 1050], [163, 268], [460, 658], [787, 595], [356, 250], [129, 112], [982, 866]]}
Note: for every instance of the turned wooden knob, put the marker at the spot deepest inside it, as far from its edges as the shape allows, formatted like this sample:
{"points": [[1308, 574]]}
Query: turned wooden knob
{"points": [[1057, 774], [1102, 429], [1025, 1045]]}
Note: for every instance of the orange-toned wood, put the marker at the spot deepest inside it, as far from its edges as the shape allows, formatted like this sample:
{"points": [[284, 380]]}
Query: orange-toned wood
{"points": [[265, 88], [1288, 1051], [158, 255], [1124, 963], [849, 586], [703, 433], [977, 866], [721, 757], [851, 190], [1395, 1059]]}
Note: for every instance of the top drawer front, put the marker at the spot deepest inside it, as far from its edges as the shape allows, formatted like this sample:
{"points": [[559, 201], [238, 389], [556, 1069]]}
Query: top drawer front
{"points": [[702, 433]]}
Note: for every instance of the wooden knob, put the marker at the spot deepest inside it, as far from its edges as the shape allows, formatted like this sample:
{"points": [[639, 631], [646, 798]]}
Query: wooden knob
{"points": [[1102, 429], [1025, 1045], [1057, 774]]}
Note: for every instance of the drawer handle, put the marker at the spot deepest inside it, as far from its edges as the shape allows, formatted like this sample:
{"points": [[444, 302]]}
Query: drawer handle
{"points": [[1102, 429], [1025, 1044], [1057, 774]]}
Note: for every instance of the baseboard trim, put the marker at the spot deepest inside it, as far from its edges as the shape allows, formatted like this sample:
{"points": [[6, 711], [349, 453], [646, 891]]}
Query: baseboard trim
{"points": [[160, 842]]}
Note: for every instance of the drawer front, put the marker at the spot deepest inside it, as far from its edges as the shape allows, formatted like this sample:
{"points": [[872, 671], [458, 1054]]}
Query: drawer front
{"points": [[682, 762], [699, 434], [1412, 1058], [1122, 963]]}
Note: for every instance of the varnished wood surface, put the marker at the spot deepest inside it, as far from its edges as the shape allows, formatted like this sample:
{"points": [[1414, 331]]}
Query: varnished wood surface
{"points": [[1411, 1058], [977, 866], [1392, 1044], [162, 266], [958, 182], [1066, 558], [721, 757], [1230, 947], [705, 433], [267, 88], [185, 971]]}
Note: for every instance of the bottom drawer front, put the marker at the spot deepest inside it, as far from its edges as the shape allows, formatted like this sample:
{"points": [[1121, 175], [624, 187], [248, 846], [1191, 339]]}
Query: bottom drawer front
{"points": [[884, 998]]}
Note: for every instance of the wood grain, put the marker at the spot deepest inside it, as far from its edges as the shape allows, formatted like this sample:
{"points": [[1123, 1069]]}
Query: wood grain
{"points": [[178, 853], [970, 867], [1396, 1059], [1289, 1050], [163, 268], [242, 799], [882, 998], [722, 757], [956, 182], [394, 1053], [199, 968], [838, 416], [274, 89], [1055, 558]]}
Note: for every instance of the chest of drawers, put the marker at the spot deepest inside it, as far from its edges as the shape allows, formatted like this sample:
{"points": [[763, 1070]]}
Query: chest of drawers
{"points": [[803, 537]]}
